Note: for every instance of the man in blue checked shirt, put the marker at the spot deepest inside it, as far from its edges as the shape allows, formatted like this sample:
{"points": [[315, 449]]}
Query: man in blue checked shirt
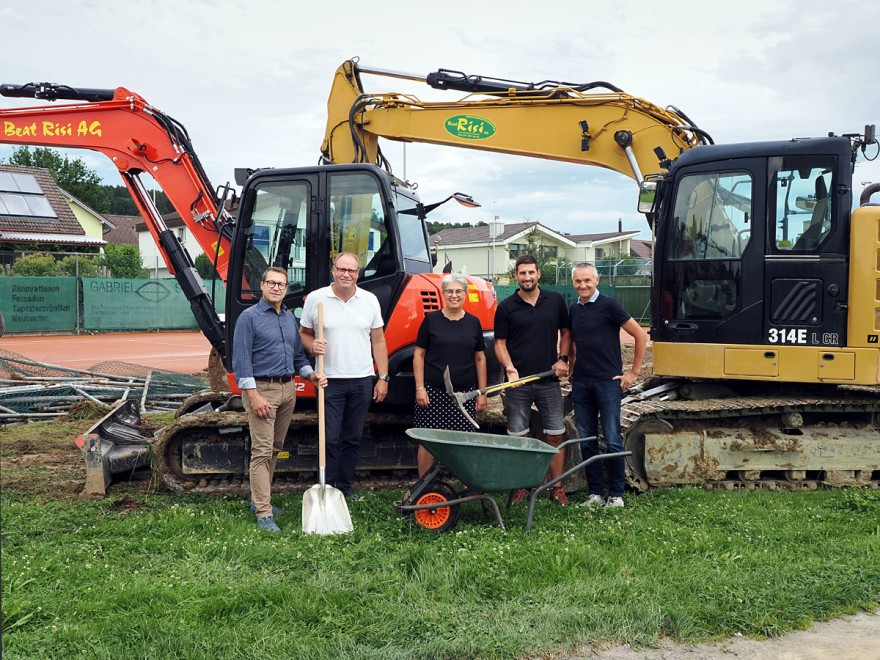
{"points": [[267, 354]]}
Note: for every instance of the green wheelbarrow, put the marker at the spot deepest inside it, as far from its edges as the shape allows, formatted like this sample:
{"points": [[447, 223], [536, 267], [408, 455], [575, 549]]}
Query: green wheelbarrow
{"points": [[484, 463]]}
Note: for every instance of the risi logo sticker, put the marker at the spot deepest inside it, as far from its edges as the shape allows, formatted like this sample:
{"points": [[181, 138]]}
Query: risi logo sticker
{"points": [[470, 127]]}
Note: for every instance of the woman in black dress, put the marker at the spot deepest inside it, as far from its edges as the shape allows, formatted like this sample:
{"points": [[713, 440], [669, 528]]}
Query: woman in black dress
{"points": [[449, 337]]}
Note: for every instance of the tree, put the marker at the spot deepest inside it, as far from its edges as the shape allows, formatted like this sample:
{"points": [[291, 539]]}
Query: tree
{"points": [[205, 267], [121, 202], [36, 265], [437, 227], [71, 175], [124, 261], [80, 265]]}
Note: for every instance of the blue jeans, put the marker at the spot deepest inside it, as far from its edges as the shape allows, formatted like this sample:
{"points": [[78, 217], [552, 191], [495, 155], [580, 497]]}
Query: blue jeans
{"points": [[595, 399], [346, 403]]}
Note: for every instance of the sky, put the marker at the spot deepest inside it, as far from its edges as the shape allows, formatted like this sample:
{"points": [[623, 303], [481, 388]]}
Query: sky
{"points": [[250, 80]]}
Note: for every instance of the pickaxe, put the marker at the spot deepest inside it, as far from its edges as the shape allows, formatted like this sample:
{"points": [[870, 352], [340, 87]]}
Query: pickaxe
{"points": [[461, 397]]}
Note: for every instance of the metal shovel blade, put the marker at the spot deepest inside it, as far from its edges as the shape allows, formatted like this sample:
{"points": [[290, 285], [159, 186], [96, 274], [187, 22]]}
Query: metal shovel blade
{"points": [[325, 511]]}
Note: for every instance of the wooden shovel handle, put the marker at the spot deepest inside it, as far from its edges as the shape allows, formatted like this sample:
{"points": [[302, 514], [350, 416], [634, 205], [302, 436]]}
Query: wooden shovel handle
{"points": [[322, 449]]}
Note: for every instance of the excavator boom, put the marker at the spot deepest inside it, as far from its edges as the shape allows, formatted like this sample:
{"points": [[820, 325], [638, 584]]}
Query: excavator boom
{"points": [[138, 138], [556, 121]]}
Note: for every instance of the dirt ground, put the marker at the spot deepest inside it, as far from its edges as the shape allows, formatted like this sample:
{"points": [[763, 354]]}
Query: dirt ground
{"points": [[850, 638], [48, 464]]}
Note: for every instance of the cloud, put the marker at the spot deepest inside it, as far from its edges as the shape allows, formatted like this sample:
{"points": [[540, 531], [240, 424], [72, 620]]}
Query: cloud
{"points": [[250, 80]]}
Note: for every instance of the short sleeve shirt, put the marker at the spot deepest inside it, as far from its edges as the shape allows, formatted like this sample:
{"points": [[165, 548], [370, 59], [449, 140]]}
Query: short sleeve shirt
{"points": [[595, 331], [347, 328], [531, 332], [452, 344]]}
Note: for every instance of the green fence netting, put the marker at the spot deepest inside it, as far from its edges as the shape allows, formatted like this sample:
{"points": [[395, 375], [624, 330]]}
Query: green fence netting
{"points": [[38, 304]]}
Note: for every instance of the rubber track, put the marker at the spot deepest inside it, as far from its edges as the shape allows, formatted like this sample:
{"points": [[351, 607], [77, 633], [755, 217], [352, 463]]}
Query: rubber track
{"points": [[846, 400]]}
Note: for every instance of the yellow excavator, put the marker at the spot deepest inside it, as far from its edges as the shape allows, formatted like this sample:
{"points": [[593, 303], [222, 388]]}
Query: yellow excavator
{"points": [[766, 278]]}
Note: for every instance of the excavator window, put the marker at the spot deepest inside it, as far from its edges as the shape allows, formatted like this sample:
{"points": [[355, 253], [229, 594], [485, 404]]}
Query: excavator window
{"points": [[803, 205], [413, 240], [358, 223], [276, 236], [711, 229], [712, 215]]}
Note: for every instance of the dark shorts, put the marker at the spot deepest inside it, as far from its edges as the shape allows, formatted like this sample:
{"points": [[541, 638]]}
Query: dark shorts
{"points": [[546, 395]]}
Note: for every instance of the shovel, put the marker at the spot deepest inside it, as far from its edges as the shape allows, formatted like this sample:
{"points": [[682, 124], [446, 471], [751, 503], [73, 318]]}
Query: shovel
{"points": [[324, 508], [461, 397]]}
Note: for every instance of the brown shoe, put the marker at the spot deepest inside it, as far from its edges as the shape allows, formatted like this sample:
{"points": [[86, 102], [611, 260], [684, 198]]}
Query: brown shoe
{"points": [[520, 495], [558, 495]]}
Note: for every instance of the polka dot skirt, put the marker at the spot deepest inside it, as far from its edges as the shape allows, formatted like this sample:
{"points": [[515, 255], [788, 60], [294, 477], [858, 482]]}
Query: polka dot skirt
{"points": [[443, 412]]}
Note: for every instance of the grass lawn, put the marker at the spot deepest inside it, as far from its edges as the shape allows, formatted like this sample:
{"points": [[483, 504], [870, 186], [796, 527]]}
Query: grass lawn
{"points": [[154, 575]]}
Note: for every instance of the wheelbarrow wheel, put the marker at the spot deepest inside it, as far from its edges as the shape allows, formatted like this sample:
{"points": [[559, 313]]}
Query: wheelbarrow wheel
{"points": [[437, 518]]}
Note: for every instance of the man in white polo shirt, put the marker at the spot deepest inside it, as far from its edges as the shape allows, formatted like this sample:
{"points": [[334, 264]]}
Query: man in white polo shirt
{"points": [[353, 339]]}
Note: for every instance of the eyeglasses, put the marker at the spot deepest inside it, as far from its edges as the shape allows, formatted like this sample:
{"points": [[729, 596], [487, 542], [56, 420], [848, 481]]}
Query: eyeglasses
{"points": [[346, 271], [274, 285], [454, 292]]}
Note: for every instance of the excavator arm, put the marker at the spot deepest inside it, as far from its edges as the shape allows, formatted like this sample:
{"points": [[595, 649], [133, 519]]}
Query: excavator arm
{"points": [[592, 124], [139, 139]]}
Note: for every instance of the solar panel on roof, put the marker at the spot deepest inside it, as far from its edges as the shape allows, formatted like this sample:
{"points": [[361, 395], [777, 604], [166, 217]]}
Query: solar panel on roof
{"points": [[21, 195], [19, 182]]}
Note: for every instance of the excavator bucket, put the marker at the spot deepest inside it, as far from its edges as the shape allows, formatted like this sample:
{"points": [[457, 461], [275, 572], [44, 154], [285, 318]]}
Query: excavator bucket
{"points": [[117, 444]]}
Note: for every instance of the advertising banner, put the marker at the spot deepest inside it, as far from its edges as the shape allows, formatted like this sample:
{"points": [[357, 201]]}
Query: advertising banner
{"points": [[38, 304], [134, 304]]}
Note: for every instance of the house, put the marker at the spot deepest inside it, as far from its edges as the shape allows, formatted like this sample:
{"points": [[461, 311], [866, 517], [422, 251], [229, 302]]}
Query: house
{"points": [[596, 247], [490, 251], [93, 223], [36, 214], [152, 258], [122, 229], [641, 249]]}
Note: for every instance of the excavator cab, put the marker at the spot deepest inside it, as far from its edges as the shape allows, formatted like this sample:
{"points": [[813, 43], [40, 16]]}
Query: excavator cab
{"points": [[302, 219], [753, 261]]}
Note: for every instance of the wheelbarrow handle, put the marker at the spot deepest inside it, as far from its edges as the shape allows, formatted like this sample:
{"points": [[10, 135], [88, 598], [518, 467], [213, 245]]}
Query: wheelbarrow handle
{"points": [[574, 440]]}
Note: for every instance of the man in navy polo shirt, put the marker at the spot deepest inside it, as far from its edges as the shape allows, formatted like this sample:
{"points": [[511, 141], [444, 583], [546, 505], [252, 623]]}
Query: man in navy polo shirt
{"points": [[598, 378], [532, 336]]}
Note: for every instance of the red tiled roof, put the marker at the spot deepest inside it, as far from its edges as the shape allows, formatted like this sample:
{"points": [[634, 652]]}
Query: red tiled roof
{"points": [[641, 249], [125, 232]]}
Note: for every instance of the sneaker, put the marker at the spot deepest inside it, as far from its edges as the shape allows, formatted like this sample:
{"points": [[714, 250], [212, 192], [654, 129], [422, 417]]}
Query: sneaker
{"points": [[558, 495], [275, 510], [614, 503], [520, 495], [267, 524], [593, 501]]}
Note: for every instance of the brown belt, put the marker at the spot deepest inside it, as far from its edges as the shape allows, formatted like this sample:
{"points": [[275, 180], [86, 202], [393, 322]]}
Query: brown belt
{"points": [[273, 379]]}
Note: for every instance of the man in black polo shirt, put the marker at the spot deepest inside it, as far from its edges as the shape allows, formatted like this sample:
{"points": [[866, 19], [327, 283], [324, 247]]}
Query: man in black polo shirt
{"points": [[598, 378], [532, 335]]}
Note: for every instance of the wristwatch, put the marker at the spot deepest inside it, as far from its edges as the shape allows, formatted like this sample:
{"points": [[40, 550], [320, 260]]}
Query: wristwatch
{"points": [[564, 358], [386, 377]]}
